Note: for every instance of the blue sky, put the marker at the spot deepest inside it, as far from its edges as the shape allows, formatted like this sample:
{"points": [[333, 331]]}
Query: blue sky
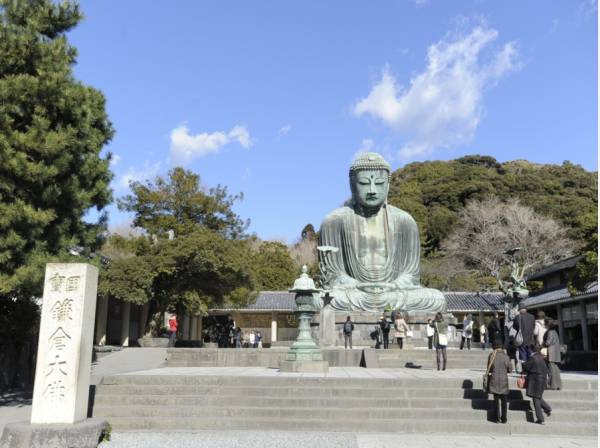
{"points": [[274, 99]]}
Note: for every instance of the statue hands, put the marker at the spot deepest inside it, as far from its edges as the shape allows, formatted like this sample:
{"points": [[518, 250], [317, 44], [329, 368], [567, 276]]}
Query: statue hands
{"points": [[376, 288]]}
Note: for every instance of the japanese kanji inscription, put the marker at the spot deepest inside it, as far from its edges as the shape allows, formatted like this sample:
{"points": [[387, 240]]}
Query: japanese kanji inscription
{"points": [[65, 344]]}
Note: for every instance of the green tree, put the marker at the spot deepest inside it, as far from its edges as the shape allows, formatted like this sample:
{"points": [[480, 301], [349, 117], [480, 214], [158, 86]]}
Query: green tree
{"points": [[274, 268], [181, 205], [193, 254], [52, 129], [436, 192], [586, 269]]}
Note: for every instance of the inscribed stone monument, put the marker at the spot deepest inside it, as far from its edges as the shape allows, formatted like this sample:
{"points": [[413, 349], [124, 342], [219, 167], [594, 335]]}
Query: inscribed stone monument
{"points": [[369, 251], [62, 377]]}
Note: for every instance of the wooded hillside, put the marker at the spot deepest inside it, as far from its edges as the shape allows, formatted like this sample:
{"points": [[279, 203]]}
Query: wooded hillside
{"points": [[434, 193]]}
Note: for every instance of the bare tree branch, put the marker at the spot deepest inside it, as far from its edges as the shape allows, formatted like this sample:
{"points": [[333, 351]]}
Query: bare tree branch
{"points": [[486, 229]]}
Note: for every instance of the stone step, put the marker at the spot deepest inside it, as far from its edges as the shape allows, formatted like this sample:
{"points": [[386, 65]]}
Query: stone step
{"points": [[102, 399], [322, 392], [332, 414], [306, 381], [417, 425]]}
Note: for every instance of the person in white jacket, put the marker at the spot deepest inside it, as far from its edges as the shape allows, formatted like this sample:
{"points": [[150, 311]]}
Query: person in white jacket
{"points": [[430, 333], [467, 332], [539, 329]]}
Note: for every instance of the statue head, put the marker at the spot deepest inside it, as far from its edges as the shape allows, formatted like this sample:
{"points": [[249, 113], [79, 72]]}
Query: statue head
{"points": [[369, 181]]}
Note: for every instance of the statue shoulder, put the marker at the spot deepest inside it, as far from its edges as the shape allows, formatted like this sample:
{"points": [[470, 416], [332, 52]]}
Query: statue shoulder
{"points": [[401, 215], [337, 215]]}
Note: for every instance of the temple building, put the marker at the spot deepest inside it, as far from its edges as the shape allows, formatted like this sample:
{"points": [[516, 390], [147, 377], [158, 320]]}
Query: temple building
{"points": [[273, 315], [577, 314]]}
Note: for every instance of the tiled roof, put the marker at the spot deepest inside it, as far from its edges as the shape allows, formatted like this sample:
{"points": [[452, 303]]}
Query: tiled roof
{"points": [[567, 263], [472, 301], [269, 301], [560, 295], [457, 301]]}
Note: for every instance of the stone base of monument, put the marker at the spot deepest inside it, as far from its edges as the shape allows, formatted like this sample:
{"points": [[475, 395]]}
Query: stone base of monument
{"points": [[304, 357], [304, 366], [328, 330], [85, 434], [153, 342]]}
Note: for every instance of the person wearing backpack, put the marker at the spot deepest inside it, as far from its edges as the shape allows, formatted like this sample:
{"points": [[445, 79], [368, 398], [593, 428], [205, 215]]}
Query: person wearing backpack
{"points": [[385, 331], [348, 329], [524, 323]]}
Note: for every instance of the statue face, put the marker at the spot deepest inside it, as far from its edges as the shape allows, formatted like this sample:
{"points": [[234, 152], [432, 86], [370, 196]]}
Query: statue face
{"points": [[370, 188]]}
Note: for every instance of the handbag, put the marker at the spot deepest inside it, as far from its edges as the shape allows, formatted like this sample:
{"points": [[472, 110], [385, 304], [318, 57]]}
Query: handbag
{"points": [[442, 339], [519, 338], [522, 382], [409, 334], [487, 374]]}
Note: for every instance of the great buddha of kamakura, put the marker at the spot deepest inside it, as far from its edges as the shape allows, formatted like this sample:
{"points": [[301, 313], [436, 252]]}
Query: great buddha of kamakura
{"points": [[369, 250]]}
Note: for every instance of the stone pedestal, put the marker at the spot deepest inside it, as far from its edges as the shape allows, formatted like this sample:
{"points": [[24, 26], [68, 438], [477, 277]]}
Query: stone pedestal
{"points": [[329, 332], [304, 366], [304, 355], [85, 434], [62, 377]]}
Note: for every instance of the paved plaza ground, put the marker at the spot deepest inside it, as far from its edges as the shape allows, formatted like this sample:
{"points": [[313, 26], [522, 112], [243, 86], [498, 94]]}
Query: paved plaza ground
{"points": [[339, 372], [283, 439]]}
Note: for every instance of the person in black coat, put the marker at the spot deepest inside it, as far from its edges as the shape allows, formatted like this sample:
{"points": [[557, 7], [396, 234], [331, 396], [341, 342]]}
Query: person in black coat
{"points": [[525, 322], [384, 325], [499, 367], [495, 331], [537, 380]]}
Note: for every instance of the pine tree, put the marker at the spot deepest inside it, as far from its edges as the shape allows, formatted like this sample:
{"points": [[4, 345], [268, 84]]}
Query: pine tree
{"points": [[52, 129]]}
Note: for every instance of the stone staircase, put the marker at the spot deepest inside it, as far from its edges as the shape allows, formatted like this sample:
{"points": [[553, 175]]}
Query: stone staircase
{"points": [[186, 402], [457, 359]]}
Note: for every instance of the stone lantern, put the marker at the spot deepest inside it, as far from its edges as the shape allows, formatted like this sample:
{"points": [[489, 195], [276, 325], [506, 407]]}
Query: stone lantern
{"points": [[304, 355]]}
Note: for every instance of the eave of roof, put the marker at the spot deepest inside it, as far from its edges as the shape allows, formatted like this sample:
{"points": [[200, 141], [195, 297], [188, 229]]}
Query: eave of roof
{"points": [[561, 265], [461, 301], [561, 295]]}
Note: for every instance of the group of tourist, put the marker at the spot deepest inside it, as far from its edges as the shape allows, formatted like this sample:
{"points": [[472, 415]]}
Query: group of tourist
{"points": [[226, 336], [537, 344], [381, 333], [247, 339]]}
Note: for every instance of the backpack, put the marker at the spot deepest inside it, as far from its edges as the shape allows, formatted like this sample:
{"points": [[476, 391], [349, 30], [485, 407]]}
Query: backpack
{"points": [[386, 326], [348, 327]]}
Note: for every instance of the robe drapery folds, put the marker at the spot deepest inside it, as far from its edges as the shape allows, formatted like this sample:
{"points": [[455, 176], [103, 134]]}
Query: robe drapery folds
{"points": [[395, 283]]}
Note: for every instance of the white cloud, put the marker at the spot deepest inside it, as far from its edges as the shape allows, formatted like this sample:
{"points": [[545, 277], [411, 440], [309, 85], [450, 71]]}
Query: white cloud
{"points": [[186, 147], [114, 161], [588, 9], [285, 129], [443, 105], [366, 145], [147, 172]]}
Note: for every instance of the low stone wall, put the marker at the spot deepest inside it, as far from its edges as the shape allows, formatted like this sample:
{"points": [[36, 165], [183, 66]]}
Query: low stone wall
{"points": [[365, 323], [248, 357]]}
